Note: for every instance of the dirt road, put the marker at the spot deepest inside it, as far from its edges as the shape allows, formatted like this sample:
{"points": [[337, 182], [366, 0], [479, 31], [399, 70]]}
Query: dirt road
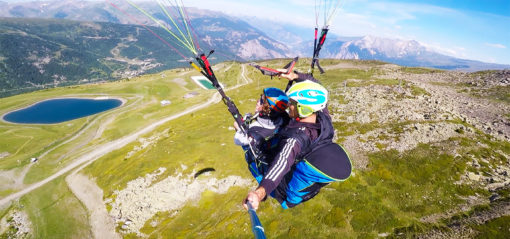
{"points": [[91, 196], [106, 148], [87, 191]]}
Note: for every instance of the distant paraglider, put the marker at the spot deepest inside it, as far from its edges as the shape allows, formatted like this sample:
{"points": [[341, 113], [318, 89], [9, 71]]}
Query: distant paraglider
{"points": [[325, 8], [329, 7]]}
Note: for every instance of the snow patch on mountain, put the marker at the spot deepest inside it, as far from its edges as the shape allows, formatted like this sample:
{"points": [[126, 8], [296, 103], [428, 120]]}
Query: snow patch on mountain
{"points": [[375, 46]]}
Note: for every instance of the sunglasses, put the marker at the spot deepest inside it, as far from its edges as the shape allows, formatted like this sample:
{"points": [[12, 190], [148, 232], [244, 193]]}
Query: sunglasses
{"points": [[303, 110], [262, 99]]}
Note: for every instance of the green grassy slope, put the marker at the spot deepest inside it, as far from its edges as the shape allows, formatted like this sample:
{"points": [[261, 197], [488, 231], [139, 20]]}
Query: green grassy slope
{"points": [[142, 95], [54, 202], [55, 212], [395, 192], [388, 198]]}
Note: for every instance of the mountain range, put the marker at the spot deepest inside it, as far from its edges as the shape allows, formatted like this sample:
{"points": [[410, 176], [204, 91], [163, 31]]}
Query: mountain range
{"points": [[265, 40], [228, 34], [40, 50], [397, 51], [67, 48], [401, 52]]}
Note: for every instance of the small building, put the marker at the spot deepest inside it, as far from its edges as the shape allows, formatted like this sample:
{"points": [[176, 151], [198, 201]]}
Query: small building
{"points": [[165, 102], [190, 95]]}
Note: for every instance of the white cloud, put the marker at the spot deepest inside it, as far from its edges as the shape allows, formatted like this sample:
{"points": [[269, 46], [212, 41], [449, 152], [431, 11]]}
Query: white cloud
{"points": [[496, 45], [455, 51]]}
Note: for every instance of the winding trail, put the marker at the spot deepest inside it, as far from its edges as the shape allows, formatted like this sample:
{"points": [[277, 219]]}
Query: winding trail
{"points": [[101, 150], [89, 124], [87, 191], [18, 178]]}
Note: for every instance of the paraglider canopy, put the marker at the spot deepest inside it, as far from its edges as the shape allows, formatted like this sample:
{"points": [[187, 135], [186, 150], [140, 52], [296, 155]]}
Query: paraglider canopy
{"points": [[328, 9]]}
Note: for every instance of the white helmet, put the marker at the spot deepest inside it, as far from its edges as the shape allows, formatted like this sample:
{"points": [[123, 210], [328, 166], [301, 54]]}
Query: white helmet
{"points": [[309, 96]]}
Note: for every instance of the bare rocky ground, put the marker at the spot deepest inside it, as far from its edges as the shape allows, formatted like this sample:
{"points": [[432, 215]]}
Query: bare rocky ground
{"points": [[15, 224], [452, 91], [13, 179], [458, 228], [142, 199], [430, 108], [423, 115], [4, 154], [92, 197]]}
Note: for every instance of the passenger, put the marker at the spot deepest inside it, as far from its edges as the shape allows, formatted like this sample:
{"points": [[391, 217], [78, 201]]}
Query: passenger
{"points": [[306, 158], [257, 142]]}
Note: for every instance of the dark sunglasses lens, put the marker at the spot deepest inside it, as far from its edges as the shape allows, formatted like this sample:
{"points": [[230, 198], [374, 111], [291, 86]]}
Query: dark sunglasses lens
{"points": [[261, 100]]}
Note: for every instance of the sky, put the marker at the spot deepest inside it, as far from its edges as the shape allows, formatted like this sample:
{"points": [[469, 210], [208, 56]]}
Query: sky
{"points": [[468, 29]]}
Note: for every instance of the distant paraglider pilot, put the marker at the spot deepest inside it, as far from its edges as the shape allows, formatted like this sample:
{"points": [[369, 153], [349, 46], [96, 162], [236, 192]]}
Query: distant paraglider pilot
{"points": [[306, 158]]}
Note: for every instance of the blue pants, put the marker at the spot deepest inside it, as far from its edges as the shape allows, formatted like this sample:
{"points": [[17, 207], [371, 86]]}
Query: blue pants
{"points": [[327, 164], [257, 169]]}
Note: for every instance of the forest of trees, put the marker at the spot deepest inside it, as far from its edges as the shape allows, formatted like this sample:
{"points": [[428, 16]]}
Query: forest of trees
{"points": [[42, 53]]}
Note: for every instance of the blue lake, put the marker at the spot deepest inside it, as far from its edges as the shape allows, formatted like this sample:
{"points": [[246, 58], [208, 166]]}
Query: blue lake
{"points": [[60, 110]]}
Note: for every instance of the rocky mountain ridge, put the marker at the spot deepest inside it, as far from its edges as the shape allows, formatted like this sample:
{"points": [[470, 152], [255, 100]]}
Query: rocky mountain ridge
{"points": [[224, 33], [402, 52], [269, 39], [41, 53]]}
